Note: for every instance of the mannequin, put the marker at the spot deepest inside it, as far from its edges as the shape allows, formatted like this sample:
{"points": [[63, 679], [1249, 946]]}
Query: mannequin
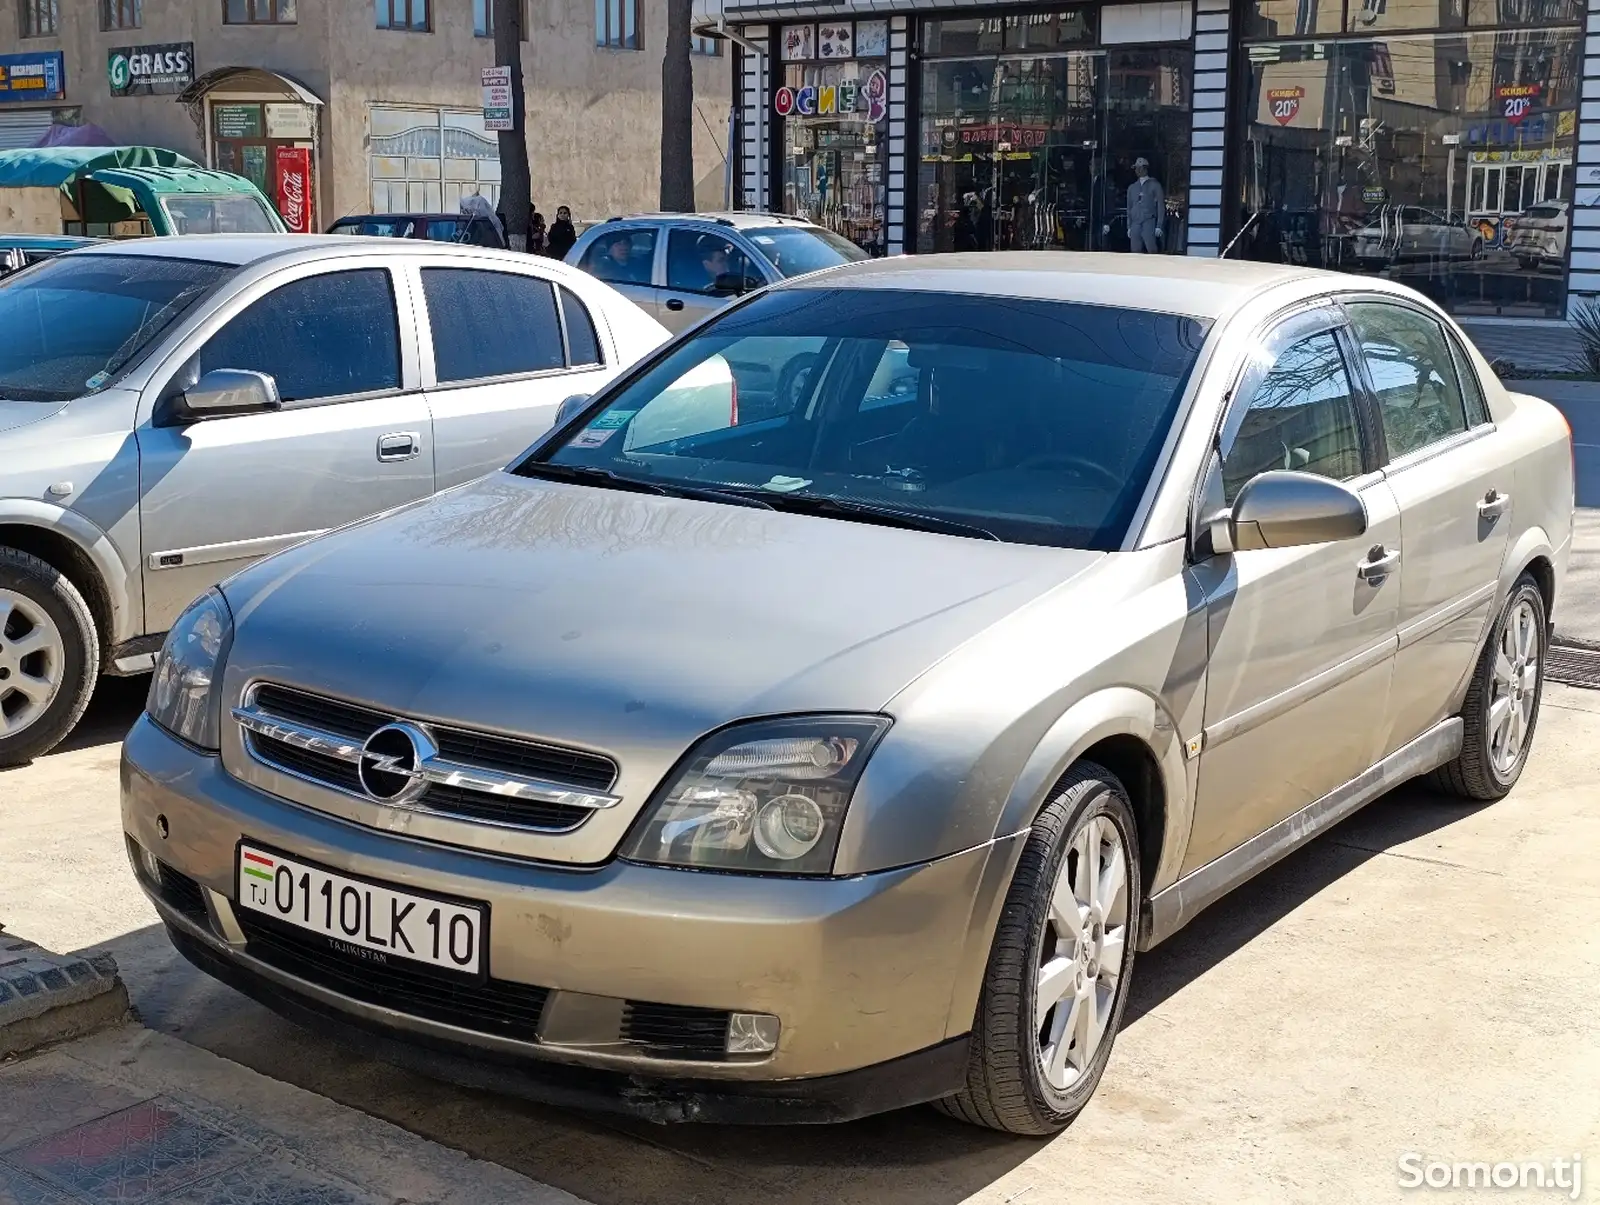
{"points": [[1147, 209]]}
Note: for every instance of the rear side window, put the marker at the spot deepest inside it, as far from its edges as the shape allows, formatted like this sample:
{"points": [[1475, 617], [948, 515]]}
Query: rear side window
{"points": [[583, 345], [490, 324], [1471, 387], [622, 256], [319, 337], [1409, 365]]}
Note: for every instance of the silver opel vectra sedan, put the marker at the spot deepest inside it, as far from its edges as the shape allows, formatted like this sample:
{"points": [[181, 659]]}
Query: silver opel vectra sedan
{"points": [[820, 718]]}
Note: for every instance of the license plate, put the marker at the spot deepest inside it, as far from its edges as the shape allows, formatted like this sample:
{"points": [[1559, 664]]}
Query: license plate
{"points": [[362, 919]]}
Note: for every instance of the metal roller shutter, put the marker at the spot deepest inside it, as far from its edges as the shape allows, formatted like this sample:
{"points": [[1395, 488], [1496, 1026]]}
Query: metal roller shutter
{"points": [[23, 128]]}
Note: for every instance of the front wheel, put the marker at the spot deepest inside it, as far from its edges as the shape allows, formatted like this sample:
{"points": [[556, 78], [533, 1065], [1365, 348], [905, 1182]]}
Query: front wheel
{"points": [[1502, 704], [1060, 965], [49, 656]]}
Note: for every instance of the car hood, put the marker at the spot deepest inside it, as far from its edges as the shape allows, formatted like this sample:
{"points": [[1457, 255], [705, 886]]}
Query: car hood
{"points": [[596, 616], [20, 414]]}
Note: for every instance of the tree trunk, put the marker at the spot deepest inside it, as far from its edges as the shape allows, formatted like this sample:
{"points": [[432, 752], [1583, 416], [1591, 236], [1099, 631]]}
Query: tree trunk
{"points": [[515, 186], [677, 112]]}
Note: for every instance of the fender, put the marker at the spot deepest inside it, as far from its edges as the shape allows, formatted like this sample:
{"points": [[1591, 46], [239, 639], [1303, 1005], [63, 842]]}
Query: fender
{"points": [[1531, 543], [1113, 711], [126, 610]]}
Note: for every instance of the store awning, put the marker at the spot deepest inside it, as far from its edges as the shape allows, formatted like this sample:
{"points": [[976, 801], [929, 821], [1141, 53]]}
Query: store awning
{"points": [[262, 79], [717, 18]]}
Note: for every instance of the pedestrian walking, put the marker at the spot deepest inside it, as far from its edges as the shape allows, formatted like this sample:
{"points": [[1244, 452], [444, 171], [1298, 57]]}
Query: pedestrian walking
{"points": [[562, 235], [1147, 209]]}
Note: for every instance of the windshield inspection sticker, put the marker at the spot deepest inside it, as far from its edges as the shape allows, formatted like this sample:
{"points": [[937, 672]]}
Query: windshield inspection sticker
{"points": [[99, 379], [603, 428], [787, 485]]}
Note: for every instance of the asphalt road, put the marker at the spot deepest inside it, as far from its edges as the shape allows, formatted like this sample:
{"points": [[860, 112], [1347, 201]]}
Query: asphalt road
{"points": [[1423, 979]]}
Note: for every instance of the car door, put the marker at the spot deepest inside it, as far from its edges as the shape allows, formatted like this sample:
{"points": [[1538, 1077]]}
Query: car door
{"points": [[624, 256], [353, 436], [697, 260], [1452, 482], [1301, 639], [502, 348]]}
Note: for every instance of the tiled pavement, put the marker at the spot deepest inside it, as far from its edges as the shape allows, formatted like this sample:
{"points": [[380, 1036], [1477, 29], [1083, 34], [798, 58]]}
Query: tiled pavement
{"points": [[134, 1118]]}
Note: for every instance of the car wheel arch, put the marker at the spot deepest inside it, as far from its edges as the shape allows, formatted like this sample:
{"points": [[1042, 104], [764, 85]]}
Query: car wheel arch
{"points": [[81, 561]]}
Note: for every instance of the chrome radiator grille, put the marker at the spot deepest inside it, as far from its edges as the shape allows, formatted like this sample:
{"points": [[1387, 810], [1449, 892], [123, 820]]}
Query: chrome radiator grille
{"points": [[453, 772]]}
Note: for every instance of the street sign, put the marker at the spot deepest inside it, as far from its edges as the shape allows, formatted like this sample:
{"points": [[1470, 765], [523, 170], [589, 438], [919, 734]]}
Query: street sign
{"points": [[497, 98]]}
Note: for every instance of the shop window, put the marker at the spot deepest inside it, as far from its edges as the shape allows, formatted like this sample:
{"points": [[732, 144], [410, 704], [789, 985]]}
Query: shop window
{"points": [[616, 24], [1412, 374], [40, 18], [490, 324], [120, 14], [327, 336], [483, 19], [706, 46], [834, 148], [412, 15], [258, 12], [1524, 12], [426, 160], [583, 345], [997, 34]]}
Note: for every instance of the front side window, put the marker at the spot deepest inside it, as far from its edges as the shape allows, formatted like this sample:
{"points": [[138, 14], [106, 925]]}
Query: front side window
{"points": [[708, 263], [1412, 374], [235, 213], [490, 324], [622, 256], [73, 324], [1300, 415], [258, 12], [40, 18], [846, 402], [616, 24], [324, 336], [412, 15]]}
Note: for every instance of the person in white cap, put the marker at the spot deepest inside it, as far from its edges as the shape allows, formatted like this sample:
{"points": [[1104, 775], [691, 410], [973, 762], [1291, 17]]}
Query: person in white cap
{"points": [[1147, 209]]}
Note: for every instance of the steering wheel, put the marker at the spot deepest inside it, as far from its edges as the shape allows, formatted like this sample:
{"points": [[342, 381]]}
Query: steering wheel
{"points": [[1075, 464]]}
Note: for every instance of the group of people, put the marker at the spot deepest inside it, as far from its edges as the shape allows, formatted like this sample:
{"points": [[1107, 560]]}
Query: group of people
{"points": [[554, 241]]}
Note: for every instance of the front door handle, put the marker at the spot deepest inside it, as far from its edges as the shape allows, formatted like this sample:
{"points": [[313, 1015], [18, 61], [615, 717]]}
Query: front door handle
{"points": [[1380, 563], [1493, 504], [674, 304], [399, 445]]}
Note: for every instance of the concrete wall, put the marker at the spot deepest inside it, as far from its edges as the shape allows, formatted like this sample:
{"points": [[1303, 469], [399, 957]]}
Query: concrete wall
{"points": [[594, 115]]}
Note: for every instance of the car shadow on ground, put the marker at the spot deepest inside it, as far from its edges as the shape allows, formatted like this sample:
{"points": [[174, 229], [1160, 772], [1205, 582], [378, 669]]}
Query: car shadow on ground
{"points": [[915, 1156]]}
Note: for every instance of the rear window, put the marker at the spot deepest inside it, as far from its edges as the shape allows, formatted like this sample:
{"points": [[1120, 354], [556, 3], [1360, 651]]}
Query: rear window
{"points": [[1038, 421], [229, 214]]}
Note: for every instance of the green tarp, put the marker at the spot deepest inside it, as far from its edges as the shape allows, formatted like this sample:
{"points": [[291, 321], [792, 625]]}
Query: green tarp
{"points": [[55, 166]]}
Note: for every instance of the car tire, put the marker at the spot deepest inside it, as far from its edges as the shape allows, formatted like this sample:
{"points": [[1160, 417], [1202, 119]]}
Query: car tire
{"points": [[48, 637], [1502, 704], [1022, 1074]]}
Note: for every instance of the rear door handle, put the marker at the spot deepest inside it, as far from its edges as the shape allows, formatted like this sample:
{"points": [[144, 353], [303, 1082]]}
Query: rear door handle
{"points": [[1380, 563], [674, 304], [1493, 504], [399, 445]]}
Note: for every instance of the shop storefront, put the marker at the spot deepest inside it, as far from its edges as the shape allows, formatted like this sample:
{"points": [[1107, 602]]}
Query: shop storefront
{"points": [[1430, 143]]}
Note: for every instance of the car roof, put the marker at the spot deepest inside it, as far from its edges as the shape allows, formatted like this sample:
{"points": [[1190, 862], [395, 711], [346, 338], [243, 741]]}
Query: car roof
{"points": [[395, 217], [737, 221], [1176, 284], [46, 242], [242, 249]]}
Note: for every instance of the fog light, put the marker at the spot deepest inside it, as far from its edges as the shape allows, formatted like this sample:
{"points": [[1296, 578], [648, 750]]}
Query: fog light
{"points": [[752, 1033]]}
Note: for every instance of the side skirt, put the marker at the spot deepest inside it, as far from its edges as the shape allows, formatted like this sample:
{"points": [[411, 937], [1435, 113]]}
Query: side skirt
{"points": [[1174, 907]]}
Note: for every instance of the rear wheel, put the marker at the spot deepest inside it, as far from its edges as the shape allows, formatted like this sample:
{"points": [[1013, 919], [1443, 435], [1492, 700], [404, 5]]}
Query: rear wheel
{"points": [[1060, 965], [49, 657], [1502, 704]]}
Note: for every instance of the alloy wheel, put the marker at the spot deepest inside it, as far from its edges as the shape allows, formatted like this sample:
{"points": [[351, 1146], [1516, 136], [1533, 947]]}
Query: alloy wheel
{"points": [[1082, 955], [32, 661], [1515, 688]]}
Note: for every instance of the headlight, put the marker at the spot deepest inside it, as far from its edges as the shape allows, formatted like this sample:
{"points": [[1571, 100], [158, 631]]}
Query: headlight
{"points": [[185, 694], [767, 797]]}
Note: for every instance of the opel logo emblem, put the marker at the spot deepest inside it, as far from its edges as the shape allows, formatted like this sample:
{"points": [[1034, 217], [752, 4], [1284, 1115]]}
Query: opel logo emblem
{"points": [[392, 760]]}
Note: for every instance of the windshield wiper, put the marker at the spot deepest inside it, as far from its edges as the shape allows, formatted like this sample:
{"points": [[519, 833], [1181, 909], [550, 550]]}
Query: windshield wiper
{"points": [[583, 474], [868, 512]]}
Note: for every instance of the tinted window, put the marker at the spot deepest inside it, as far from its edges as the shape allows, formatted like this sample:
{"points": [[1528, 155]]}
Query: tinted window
{"points": [[1408, 362], [1471, 389], [481, 233], [72, 324], [1301, 415], [391, 227], [794, 250], [622, 256], [234, 214], [795, 394], [695, 261], [319, 337], [445, 230], [583, 345], [490, 324]]}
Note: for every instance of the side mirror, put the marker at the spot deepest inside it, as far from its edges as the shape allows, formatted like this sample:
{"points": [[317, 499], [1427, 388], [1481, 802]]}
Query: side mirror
{"points": [[571, 406], [1286, 509], [225, 393]]}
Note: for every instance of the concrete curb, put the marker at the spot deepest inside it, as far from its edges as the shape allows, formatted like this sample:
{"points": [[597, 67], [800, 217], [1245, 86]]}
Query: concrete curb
{"points": [[47, 998]]}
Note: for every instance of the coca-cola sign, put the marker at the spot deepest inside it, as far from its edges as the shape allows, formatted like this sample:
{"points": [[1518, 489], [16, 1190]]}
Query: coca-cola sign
{"points": [[293, 179]]}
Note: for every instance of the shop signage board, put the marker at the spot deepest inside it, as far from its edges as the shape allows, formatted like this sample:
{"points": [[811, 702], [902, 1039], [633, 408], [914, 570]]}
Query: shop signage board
{"points": [[238, 121], [497, 98], [39, 75], [289, 121], [161, 69], [868, 98], [1516, 100], [1285, 103], [292, 175]]}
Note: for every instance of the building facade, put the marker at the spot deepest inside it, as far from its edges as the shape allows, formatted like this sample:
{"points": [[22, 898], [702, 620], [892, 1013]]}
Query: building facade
{"points": [[379, 103], [1450, 144]]}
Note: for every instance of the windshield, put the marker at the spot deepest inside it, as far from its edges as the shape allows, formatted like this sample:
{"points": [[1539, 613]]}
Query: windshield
{"points": [[72, 324], [795, 250], [1037, 422], [228, 213]]}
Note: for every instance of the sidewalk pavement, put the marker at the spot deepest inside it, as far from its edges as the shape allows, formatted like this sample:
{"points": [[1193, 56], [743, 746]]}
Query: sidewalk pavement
{"points": [[133, 1116]]}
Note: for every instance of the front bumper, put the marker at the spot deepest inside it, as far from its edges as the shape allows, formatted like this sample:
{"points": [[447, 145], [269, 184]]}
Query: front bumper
{"points": [[870, 976]]}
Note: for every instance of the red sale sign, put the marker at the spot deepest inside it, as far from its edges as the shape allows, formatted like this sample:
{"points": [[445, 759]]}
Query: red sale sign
{"points": [[1285, 103], [293, 181], [1517, 100]]}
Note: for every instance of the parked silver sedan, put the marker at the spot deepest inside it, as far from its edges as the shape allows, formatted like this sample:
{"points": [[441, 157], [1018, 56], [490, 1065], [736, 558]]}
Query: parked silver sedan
{"points": [[843, 753]]}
